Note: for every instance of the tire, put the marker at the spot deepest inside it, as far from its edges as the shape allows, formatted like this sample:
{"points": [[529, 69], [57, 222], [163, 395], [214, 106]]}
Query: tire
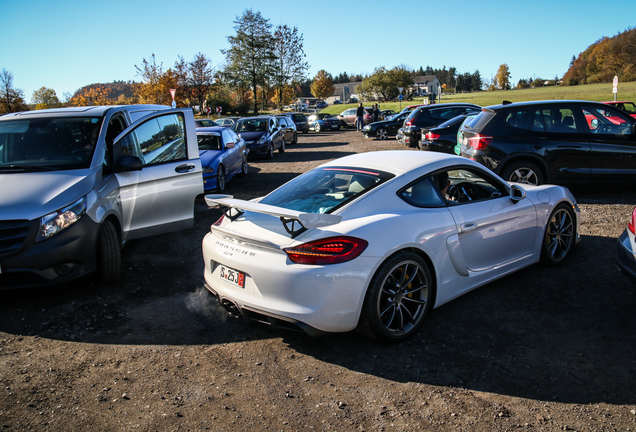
{"points": [[381, 134], [559, 237], [295, 140], [270, 151], [108, 254], [220, 178], [244, 166], [523, 172], [393, 310], [281, 149], [317, 127]]}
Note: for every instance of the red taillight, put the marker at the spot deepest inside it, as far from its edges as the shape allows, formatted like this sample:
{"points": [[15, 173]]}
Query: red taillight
{"points": [[332, 250], [430, 136], [479, 142], [408, 123], [219, 221], [632, 222]]}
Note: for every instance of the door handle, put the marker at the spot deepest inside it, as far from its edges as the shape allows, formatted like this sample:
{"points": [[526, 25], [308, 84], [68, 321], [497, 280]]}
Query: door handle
{"points": [[468, 226], [184, 168]]}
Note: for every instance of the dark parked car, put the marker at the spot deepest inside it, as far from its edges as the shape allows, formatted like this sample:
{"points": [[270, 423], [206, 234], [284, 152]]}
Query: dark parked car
{"points": [[431, 115], [301, 122], [262, 135], [223, 155], [322, 122], [288, 128], [386, 128], [442, 138], [321, 104], [626, 249], [205, 123], [555, 141], [348, 116]]}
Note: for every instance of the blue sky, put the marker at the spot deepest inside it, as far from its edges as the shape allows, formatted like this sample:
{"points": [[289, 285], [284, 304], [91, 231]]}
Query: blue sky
{"points": [[67, 44]]}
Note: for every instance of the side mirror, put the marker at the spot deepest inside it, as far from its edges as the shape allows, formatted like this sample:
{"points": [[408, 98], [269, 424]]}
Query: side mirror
{"points": [[128, 163], [517, 193]]}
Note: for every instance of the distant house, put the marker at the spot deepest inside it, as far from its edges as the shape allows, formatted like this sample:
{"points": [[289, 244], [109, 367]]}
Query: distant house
{"points": [[423, 86]]}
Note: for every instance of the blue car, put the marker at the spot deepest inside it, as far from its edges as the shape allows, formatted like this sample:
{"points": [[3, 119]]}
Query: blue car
{"points": [[263, 135], [223, 155], [323, 122]]}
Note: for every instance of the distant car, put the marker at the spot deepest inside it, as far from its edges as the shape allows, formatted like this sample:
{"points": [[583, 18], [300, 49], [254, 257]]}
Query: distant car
{"points": [[300, 120], [206, 123], [372, 241], [442, 138], [628, 107], [626, 249], [226, 121], [262, 135], [387, 113], [348, 116], [432, 115], [337, 102], [555, 141], [288, 128], [384, 129], [321, 104], [223, 155], [323, 122]]}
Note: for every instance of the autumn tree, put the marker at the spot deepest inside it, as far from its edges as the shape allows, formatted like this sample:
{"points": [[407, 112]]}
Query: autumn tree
{"points": [[250, 56], [502, 78], [11, 99], [322, 85], [288, 60], [156, 84], [44, 98], [91, 96]]}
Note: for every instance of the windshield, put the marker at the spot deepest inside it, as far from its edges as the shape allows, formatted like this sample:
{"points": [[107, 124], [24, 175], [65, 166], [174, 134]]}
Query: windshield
{"points": [[51, 143], [251, 125], [322, 190]]}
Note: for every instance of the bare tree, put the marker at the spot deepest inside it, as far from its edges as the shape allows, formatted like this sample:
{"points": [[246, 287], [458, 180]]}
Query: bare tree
{"points": [[11, 99]]}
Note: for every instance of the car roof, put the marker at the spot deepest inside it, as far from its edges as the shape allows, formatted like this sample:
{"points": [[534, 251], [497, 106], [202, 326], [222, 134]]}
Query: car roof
{"points": [[540, 102], [211, 129], [81, 111], [400, 161]]}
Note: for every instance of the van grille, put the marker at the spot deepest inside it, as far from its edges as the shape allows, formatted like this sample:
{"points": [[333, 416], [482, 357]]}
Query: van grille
{"points": [[13, 234]]}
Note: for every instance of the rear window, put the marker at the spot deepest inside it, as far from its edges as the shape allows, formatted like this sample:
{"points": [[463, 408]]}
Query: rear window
{"points": [[322, 190], [299, 117], [481, 120]]}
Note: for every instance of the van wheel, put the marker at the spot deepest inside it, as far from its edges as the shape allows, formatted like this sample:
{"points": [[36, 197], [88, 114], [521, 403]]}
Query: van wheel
{"points": [[108, 254], [523, 172]]}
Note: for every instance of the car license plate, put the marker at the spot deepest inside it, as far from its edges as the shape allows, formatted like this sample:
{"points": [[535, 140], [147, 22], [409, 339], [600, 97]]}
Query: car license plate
{"points": [[232, 276]]}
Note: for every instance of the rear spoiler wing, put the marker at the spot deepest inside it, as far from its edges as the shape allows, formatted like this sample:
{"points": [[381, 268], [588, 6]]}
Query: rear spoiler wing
{"points": [[234, 208]]}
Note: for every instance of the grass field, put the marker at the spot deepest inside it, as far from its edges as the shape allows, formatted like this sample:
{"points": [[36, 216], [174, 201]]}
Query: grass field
{"points": [[593, 92]]}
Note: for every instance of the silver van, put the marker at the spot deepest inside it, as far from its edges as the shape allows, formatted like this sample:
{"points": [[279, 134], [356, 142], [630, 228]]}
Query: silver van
{"points": [[77, 183]]}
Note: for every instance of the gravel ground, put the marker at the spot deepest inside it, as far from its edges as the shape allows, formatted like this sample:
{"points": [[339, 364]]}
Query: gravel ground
{"points": [[543, 349]]}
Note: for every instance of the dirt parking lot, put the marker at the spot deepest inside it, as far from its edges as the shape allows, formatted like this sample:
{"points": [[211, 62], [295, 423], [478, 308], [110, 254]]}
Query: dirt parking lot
{"points": [[543, 349]]}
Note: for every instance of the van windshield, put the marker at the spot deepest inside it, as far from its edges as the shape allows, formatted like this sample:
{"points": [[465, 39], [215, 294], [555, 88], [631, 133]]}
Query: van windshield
{"points": [[48, 144]]}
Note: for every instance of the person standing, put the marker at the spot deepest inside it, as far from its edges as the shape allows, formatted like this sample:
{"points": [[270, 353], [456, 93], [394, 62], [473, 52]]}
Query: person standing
{"points": [[376, 113], [360, 117]]}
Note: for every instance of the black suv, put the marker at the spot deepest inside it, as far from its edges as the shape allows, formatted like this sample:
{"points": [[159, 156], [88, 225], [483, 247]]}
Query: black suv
{"points": [[557, 141], [431, 115]]}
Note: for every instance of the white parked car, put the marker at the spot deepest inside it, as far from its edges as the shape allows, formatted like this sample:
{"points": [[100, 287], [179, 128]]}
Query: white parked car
{"points": [[77, 183], [373, 241]]}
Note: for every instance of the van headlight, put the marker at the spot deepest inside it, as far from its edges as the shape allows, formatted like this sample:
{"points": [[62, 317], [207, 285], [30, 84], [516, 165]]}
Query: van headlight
{"points": [[57, 221]]}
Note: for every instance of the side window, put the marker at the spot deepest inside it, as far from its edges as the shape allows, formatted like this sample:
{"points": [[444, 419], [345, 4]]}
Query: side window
{"points": [[554, 119], [423, 193], [466, 186], [227, 136], [158, 140], [442, 113], [517, 119], [606, 121]]}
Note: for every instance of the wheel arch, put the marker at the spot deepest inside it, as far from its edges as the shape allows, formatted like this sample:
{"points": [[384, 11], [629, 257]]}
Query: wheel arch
{"points": [[529, 157]]}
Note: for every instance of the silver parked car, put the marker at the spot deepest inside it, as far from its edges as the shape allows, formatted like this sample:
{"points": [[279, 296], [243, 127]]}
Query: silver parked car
{"points": [[77, 183]]}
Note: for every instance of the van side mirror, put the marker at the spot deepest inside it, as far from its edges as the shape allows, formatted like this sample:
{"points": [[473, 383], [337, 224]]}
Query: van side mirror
{"points": [[128, 163], [517, 193]]}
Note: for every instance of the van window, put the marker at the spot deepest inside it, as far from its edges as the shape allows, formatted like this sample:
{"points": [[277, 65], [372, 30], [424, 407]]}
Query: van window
{"points": [[158, 140]]}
